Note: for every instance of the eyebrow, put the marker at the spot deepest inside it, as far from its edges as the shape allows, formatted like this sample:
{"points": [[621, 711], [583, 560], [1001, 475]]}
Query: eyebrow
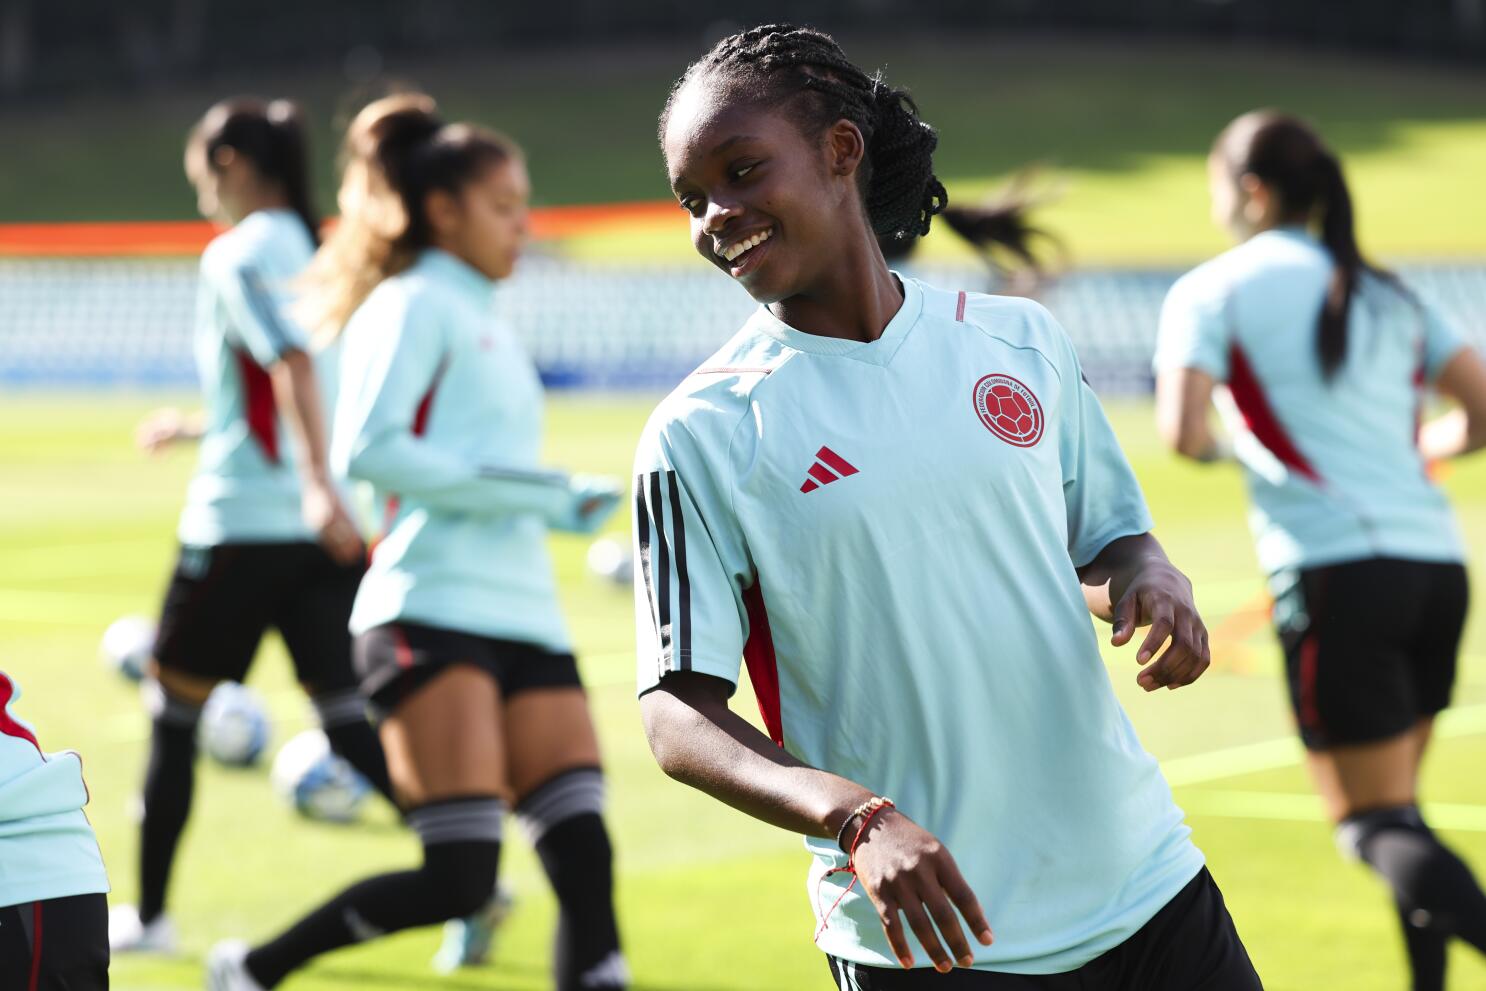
{"points": [[719, 149]]}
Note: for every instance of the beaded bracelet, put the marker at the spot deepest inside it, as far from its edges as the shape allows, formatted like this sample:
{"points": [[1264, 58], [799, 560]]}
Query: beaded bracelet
{"points": [[872, 805]]}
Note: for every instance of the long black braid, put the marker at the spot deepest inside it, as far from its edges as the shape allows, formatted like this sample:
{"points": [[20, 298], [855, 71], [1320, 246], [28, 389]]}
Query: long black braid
{"points": [[778, 63]]}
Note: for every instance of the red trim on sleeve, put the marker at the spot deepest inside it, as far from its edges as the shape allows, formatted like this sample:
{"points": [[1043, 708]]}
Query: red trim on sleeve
{"points": [[9, 725], [960, 308], [258, 404], [763, 667], [1259, 418]]}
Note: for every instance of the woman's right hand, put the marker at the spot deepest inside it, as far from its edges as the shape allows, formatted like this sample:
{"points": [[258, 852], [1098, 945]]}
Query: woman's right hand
{"points": [[162, 427], [323, 511], [907, 872]]}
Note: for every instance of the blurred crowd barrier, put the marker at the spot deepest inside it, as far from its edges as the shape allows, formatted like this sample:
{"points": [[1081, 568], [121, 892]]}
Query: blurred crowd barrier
{"points": [[126, 322]]}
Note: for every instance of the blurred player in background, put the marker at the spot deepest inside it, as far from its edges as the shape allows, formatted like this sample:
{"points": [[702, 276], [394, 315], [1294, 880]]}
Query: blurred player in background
{"points": [[265, 541], [53, 888], [460, 642], [1326, 360], [900, 505]]}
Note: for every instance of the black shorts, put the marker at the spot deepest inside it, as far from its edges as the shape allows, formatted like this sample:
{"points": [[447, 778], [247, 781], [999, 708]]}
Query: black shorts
{"points": [[1190, 945], [60, 944], [1369, 645], [396, 659], [222, 599]]}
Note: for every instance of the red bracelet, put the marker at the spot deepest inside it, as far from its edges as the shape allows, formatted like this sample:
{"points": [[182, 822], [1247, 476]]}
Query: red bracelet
{"points": [[870, 810]]}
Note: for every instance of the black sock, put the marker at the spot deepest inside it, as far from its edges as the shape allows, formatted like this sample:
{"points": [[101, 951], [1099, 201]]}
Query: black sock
{"points": [[1434, 888], [1426, 948], [169, 782], [343, 718], [461, 850], [563, 820]]}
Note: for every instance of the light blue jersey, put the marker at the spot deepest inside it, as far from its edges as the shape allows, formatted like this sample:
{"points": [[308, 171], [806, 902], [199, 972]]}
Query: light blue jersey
{"points": [[440, 411], [246, 488], [1333, 469], [888, 534], [47, 847]]}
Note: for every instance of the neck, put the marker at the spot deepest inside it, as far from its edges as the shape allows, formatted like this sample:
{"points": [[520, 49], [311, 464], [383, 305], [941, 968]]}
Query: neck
{"points": [[854, 301]]}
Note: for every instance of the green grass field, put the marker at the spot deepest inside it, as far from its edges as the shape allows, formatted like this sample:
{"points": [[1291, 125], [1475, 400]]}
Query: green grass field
{"points": [[1125, 123], [710, 901]]}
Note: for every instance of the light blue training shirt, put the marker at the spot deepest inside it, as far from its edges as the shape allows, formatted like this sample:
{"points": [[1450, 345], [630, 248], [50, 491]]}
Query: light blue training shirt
{"points": [[888, 533], [47, 847], [246, 488], [1333, 468]]}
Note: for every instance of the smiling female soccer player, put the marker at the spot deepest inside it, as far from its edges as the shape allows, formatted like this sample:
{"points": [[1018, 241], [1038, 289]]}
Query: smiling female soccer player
{"points": [[899, 504], [1326, 359], [460, 642], [265, 541]]}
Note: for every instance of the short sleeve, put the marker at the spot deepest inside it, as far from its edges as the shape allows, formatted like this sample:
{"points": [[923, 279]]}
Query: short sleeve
{"points": [[1102, 497], [257, 308], [1193, 330], [1442, 341], [691, 563]]}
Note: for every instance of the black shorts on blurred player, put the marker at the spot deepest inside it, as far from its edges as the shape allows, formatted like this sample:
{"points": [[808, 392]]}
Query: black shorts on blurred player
{"points": [[1369, 645], [1190, 945], [396, 659], [223, 598]]}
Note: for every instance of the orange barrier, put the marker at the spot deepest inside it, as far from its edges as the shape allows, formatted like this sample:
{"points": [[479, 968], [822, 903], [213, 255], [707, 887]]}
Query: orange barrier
{"points": [[188, 237]]}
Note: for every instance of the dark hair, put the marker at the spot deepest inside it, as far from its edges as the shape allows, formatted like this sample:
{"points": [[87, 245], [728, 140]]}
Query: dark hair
{"points": [[271, 136], [1289, 156], [998, 229], [781, 64], [397, 151]]}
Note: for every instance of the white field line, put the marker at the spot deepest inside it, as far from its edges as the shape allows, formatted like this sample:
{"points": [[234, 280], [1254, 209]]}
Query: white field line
{"points": [[1230, 762]]}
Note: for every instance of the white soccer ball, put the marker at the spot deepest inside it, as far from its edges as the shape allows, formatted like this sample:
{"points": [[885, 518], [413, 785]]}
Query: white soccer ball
{"points": [[127, 645], [316, 781], [234, 725], [611, 561]]}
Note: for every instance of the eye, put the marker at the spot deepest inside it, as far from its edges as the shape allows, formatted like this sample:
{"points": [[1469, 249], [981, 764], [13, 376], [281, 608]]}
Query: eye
{"points": [[743, 170], [691, 204]]}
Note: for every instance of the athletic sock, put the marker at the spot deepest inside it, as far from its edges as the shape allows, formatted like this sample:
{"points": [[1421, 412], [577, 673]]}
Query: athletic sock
{"points": [[461, 851], [1434, 888], [562, 819], [343, 718], [1427, 951], [169, 783]]}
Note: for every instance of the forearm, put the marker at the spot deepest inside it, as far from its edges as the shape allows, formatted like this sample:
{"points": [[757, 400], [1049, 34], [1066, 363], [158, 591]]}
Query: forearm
{"points": [[413, 468], [297, 396], [716, 751], [1106, 578]]}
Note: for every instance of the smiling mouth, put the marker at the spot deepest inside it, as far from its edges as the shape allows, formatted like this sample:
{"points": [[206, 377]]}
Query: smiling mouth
{"points": [[739, 255]]}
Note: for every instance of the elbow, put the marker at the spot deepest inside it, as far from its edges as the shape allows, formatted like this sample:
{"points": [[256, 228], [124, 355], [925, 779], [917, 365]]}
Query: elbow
{"points": [[666, 733]]}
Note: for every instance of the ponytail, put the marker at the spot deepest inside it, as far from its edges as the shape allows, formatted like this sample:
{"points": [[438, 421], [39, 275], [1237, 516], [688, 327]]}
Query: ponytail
{"points": [[397, 151], [1289, 156], [783, 64], [272, 137]]}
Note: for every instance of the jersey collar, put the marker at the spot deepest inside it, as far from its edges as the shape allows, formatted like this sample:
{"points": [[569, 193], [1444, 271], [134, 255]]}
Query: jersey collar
{"points": [[439, 264], [878, 352]]}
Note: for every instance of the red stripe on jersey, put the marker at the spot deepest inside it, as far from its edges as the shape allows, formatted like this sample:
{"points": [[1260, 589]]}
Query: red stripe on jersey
{"points": [[9, 725], [36, 913], [1259, 418], [763, 667], [960, 308], [821, 473], [420, 427], [1310, 715], [258, 404], [836, 461]]}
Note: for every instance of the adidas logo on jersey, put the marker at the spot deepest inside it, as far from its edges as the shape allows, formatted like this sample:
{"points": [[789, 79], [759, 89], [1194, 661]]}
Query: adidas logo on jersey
{"points": [[829, 467]]}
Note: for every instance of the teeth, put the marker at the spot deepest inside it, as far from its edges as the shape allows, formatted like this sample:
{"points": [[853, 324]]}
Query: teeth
{"points": [[733, 251]]}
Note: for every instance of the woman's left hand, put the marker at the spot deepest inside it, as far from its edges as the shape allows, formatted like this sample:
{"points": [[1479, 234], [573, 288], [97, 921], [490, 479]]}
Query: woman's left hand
{"points": [[1160, 596]]}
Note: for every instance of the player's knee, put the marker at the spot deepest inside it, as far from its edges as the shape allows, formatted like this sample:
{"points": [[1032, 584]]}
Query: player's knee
{"points": [[170, 710], [563, 819], [1357, 835], [190, 689], [461, 851]]}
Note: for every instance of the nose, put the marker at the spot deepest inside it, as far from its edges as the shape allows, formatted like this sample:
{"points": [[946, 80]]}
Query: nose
{"points": [[718, 214]]}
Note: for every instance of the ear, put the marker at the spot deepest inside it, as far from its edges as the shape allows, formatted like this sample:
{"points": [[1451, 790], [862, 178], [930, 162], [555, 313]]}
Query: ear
{"points": [[444, 212], [845, 148], [224, 156], [1257, 195]]}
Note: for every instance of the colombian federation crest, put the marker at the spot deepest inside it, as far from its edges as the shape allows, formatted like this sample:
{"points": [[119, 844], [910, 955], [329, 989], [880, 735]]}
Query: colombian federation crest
{"points": [[1009, 410]]}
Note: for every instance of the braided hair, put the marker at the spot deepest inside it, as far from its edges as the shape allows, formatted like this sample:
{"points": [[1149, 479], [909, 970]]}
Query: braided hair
{"points": [[775, 64]]}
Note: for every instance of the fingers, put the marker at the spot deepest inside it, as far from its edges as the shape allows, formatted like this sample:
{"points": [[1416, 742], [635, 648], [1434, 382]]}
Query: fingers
{"points": [[959, 892], [1184, 661], [1163, 621], [1126, 619], [892, 927], [948, 924], [928, 938]]}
